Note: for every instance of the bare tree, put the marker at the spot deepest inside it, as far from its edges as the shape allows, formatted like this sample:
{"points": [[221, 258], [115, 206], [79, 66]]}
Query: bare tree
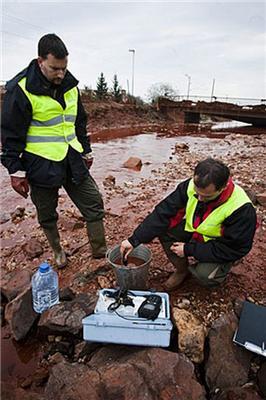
{"points": [[161, 89]]}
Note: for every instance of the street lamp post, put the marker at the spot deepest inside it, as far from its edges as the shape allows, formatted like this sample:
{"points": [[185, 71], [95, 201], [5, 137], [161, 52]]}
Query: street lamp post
{"points": [[188, 85], [212, 92], [133, 67]]}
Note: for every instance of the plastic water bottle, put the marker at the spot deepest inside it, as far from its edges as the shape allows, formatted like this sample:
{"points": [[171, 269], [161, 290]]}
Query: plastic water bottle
{"points": [[45, 291]]}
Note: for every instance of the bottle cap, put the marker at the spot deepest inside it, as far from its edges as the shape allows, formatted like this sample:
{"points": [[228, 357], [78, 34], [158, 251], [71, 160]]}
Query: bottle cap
{"points": [[44, 267]]}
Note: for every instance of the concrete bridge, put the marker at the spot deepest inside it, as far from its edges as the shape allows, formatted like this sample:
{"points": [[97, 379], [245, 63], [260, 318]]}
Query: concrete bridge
{"points": [[252, 114]]}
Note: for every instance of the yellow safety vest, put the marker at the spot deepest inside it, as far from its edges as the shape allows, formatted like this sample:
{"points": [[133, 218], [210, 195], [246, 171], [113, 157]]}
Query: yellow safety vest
{"points": [[211, 227], [52, 128]]}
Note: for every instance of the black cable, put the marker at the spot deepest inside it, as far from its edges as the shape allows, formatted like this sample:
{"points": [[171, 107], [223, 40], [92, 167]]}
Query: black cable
{"points": [[138, 319]]}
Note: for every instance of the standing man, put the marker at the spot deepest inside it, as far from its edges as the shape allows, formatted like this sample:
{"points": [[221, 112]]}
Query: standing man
{"points": [[45, 145], [209, 218]]}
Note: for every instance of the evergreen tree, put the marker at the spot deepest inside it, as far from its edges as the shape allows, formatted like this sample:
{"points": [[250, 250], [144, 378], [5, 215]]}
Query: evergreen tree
{"points": [[102, 88], [116, 89]]}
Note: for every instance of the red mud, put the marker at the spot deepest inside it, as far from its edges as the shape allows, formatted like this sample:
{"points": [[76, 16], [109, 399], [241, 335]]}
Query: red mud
{"points": [[127, 202]]}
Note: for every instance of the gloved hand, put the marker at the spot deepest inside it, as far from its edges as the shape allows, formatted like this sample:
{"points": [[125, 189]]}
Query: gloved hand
{"points": [[20, 185], [88, 158], [125, 249]]}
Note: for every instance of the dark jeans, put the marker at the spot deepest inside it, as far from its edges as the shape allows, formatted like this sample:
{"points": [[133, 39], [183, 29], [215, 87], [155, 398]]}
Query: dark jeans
{"points": [[209, 274], [85, 196]]}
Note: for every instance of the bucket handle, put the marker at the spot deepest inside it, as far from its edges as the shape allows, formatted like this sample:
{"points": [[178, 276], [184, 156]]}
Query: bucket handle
{"points": [[108, 251]]}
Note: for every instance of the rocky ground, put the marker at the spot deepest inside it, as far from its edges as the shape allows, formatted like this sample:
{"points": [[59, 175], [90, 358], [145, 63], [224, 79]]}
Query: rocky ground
{"points": [[126, 205]]}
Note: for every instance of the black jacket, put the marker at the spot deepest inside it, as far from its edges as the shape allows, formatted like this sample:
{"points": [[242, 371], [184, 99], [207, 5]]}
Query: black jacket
{"points": [[16, 118], [236, 242]]}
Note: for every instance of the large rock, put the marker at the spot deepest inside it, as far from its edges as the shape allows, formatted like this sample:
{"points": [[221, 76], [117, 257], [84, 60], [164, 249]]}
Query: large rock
{"points": [[191, 335], [20, 314], [244, 393], [262, 379], [133, 163], [10, 392], [66, 317], [72, 381], [15, 283], [228, 364], [128, 373]]}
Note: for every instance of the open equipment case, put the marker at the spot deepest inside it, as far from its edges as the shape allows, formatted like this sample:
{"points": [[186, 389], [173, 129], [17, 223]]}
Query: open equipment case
{"points": [[123, 325]]}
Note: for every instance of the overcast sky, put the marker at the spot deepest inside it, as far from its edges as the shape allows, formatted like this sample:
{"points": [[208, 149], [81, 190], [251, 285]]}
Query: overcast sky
{"points": [[221, 40]]}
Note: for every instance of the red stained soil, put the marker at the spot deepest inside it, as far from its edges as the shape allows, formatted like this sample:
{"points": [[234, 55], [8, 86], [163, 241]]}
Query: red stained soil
{"points": [[127, 202]]}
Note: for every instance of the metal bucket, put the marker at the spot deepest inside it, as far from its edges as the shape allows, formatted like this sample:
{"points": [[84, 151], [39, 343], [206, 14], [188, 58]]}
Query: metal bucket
{"points": [[131, 278]]}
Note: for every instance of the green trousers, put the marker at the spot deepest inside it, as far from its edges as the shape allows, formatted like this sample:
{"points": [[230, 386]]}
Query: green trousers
{"points": [[85, 196], [208, 274]]}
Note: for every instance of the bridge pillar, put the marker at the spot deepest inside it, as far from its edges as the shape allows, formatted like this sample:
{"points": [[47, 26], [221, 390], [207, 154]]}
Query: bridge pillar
{"points": [[191, 118]]}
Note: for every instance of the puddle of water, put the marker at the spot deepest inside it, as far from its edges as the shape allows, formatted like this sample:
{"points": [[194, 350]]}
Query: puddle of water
{"points": [[229, 125], [110, 155], [152, 149], [17, 359]]}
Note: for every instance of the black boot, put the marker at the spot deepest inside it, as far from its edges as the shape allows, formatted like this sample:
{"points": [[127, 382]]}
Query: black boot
{"points": [[96, 237], [54, 241]]}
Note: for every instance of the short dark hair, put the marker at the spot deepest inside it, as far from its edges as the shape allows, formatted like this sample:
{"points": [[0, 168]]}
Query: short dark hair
{"points": [[211, 171], [52, 44]]}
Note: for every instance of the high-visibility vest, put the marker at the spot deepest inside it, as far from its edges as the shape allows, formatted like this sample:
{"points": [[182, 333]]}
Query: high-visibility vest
{"points": [[211, 227], [52, 128]]}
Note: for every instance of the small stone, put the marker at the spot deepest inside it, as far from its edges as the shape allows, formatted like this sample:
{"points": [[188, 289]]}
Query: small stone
{"points": [[26, 382], [56, 358], [32, 248], [261, 198], [249, 298], [185, 303], [109, 181], [209, 315], [51, 338], [18, 213]]}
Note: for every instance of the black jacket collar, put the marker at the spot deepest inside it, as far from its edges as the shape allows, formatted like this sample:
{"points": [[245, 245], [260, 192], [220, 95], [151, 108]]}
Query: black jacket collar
{"points": [[38, 84]]}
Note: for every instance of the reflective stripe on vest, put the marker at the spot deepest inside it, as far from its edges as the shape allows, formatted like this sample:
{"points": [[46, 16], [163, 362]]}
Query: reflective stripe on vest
{"points": [[51, 124], [54, 121], [211, 227]]}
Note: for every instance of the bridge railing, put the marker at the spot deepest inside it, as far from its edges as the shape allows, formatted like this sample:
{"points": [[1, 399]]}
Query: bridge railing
{"points": [[240, 101]]}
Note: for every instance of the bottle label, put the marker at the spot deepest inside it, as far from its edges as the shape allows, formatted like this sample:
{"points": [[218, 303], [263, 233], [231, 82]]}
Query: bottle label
{"points": [[44, 298]]}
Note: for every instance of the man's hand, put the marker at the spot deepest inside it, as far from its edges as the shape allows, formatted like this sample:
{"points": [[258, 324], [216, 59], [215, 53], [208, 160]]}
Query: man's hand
{"points": [[125, 248], [178, 249], [88, 159], [20, 185]]}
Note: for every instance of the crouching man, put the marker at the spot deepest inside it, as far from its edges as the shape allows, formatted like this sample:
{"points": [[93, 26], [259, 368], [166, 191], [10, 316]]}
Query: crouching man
{"points": [[207, 217]]}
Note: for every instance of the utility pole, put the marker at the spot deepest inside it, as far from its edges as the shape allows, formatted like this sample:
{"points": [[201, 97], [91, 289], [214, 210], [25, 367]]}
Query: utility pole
{"points": [[213, 83], [133, 68], [188, 85]]}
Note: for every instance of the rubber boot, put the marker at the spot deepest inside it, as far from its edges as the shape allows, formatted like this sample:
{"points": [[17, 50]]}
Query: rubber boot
{"points": [[96, 237], [54, 241], [177, 277]]}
